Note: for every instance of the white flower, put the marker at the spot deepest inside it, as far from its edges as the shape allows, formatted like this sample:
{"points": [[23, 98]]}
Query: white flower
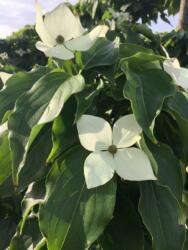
{"points": [[5, 76], [61, 33], [112, 151], [178, 74]]}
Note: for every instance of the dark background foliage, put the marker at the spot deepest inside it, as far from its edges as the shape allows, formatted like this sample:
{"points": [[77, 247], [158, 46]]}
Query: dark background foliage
{"points": [[18, 52]]}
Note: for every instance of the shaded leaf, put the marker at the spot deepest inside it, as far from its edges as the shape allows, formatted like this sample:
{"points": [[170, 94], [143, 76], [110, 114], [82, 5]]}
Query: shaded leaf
{"points": [[139, 60], [64, 130], [29, 237], [147, 32], [16, 86], [123, 229], [179, 103], [5, 156], [7, 230], [85, 100], [147, 92], [35, 166], [72, 216], [130, 49], [186, 242], [41, 104], [167, 166], [33, 196], [102, 53], [159, 211], [7, 188], [183, 135]]}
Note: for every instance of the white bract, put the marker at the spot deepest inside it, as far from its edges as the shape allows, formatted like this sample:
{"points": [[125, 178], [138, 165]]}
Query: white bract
{"points": [[3, 128], [62, 33], [178, 74], [112, 151], [5, 76]]}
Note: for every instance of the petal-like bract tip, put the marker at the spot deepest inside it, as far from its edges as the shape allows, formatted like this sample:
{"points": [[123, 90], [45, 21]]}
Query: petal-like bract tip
{"points": [[98, 169], [104, 30], [134, 165], [178, 74], [5, 76], [126, 131], [94, 133]]}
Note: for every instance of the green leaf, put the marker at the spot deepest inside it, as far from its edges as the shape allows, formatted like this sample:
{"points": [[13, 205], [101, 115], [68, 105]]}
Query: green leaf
{"points": [[16, 86], [41, 104], [186, 242], [147, 32], [102, 53], [7, 230], [167, 131], [130, 49], [123, 229], [5, 156], [159, 211], [183, 136], [7, 189], [147, 92], [33, 196], [85, 100], [29, 237], [64, 130], [177, 107], [41, 245], [72, 216], [167, 165], [139, 60], [179, 103], [35, 165]]}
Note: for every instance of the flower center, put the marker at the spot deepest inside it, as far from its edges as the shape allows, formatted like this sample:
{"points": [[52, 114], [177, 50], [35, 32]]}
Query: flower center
{"points": [[112, 149], [60, 39]]}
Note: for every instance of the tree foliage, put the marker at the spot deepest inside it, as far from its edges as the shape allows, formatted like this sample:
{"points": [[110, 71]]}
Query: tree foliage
{"points": [[18, 52], [44, 202], [145, 10]]}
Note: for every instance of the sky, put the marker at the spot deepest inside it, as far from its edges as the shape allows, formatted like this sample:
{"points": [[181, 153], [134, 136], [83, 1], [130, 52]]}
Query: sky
{"points": [[14, 14]]}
